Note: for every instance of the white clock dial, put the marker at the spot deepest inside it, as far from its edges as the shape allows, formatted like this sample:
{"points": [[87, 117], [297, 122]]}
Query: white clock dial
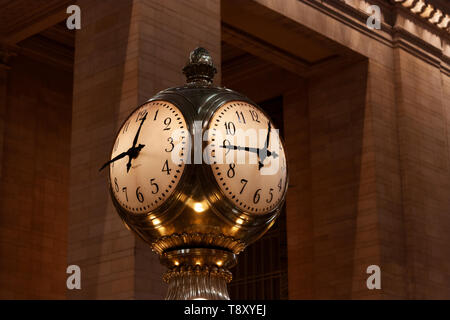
{"points": [[247, 157], [155, 136]]}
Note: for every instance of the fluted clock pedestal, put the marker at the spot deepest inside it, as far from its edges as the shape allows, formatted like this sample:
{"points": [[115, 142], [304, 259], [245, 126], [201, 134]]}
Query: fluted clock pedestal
{"points": [[198, 273]]}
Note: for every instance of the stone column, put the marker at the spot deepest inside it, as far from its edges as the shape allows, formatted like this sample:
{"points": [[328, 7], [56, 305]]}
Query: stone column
{"points": [[3, 92], [6, 53], [125, 52], [423, 129], [391, 208]]}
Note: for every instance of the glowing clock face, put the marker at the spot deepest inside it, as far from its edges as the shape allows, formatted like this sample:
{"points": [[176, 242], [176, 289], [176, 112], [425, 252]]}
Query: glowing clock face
{"points": [[148, 156], [247, 157]]}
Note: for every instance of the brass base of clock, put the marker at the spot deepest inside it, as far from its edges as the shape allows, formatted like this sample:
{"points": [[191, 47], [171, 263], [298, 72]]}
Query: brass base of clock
{"points": [[197, 239], [198, 273]]}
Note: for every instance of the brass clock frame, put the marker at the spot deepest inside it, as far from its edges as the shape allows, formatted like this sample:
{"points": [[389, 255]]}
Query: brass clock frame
{"points": [[253, 226]]}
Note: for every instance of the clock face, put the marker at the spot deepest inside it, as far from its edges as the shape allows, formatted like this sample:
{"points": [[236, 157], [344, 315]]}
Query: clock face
{"points": [[148, 156], [247, 157]]}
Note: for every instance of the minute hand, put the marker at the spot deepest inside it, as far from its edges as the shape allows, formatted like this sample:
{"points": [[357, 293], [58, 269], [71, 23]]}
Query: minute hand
{"points": [[249, 149], [139, 130], [120, 156], [266, 145], [136, 150]]}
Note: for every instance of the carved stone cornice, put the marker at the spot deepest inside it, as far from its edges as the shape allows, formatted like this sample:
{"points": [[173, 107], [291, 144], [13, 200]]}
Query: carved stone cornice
{"points": [[427, 11], [396, 30]]}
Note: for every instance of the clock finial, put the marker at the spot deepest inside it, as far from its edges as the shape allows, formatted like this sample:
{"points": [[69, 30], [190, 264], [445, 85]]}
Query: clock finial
{"points": [[200, 69]]}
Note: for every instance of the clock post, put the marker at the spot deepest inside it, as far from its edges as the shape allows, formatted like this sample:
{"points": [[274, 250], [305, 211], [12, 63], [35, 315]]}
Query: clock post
{"points": [[198, 216]]}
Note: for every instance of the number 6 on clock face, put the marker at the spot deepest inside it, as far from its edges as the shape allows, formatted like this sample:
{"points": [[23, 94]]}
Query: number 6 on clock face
{"points": [[154, 139], [247, 184]]}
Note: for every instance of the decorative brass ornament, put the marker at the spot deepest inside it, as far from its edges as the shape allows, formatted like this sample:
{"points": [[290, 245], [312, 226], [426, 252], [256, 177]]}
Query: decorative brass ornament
{"points": [[194, 215], [184, 240]]}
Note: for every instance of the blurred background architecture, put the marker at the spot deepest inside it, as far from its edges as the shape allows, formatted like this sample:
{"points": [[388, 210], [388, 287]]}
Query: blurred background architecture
{"points": [[365, 114]]}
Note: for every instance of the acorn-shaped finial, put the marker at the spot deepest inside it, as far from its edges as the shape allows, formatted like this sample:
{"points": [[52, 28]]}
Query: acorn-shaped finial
{"points": [[200, 69]]}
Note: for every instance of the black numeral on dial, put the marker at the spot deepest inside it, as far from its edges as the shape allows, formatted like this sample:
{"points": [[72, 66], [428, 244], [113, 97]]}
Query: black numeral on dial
{"points": [[240, 117], [166, 168], [225, 144], [167, 122], [256, 196], [116, 185], [230, 128], [170, 139], [254, 115], [125, 126], [230, 172], [155, 186], [139, 195], [271, 196], [141, 115], [124, 189], [244, 182]]}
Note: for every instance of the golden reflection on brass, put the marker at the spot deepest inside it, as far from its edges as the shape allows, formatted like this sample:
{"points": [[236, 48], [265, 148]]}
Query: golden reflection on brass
{"points": [[199, 207]]}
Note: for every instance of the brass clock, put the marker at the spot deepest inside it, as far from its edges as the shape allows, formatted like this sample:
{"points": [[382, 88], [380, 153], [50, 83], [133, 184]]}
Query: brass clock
{"points": [[198, 172]]}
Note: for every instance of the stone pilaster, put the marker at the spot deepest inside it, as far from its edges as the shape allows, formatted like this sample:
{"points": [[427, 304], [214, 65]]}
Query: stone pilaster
{"points": [[126, 51], [6, 53]]}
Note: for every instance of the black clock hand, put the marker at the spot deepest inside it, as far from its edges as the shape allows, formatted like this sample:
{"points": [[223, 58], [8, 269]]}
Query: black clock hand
{"points": [[128, 164], [266, 145], [120, 156], [264, 152], [254, 150], [133, 150], [133, 153], [268, 153], [139, 130], [232, 147], [272, 154]]}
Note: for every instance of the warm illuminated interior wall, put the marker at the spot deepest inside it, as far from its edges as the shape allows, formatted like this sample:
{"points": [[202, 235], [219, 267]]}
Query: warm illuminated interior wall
{"points": [[34, 187]]}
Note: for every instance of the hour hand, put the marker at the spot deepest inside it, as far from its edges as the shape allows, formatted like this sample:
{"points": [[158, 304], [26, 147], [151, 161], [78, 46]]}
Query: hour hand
{"points": [[133, 153], [120, 156], [229, 146], [128, 164]]}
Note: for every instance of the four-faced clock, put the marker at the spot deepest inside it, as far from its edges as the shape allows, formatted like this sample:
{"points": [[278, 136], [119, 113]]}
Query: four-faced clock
{"points": [[247, 157], [148, 157]]}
